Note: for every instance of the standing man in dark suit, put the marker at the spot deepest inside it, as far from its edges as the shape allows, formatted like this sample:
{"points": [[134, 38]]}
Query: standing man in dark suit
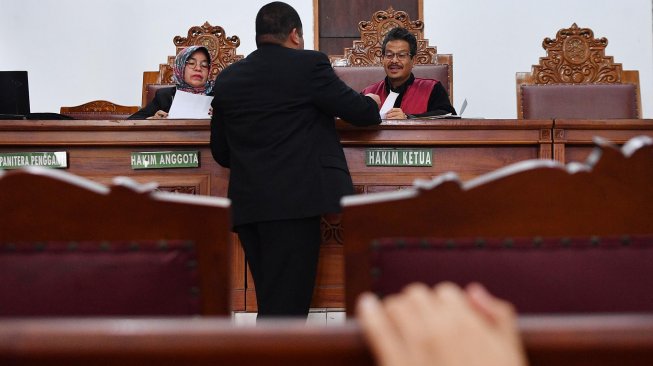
{"points": [[273, 126]]}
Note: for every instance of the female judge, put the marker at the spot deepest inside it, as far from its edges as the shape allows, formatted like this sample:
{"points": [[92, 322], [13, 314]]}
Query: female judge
{"points": [[191, 74]]}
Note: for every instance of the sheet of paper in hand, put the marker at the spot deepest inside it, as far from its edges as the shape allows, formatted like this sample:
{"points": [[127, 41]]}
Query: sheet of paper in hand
{"points": [[388, 104], [190, 106]]}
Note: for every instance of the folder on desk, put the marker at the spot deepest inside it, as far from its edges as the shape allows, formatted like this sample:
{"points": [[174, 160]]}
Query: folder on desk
{"points": [[449, 115]]}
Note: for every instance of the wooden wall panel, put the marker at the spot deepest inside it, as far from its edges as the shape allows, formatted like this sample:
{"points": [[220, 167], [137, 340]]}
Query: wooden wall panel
{"points": [[336, 21]]}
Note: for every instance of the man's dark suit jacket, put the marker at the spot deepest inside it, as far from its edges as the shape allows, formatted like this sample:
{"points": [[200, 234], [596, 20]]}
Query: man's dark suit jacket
{"points": [[162, 101], [273, 126]]}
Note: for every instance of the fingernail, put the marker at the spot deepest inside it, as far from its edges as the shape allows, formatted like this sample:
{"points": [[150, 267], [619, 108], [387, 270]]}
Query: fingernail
{"points": [[479, 292], [367, 301]]}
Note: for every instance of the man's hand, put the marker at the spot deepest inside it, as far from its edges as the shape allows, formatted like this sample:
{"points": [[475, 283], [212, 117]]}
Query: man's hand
{"points": [[159, 115], [376, 98], [396, 113], [444, 326]]}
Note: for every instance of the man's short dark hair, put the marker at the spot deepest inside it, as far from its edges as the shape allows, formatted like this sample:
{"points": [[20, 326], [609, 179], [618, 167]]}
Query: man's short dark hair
{"points": [[401, 34], [275, 21]]}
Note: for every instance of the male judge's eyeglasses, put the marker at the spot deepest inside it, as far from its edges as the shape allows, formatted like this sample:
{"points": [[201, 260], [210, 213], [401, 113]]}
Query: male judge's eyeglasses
{"points": [[401, 56]]}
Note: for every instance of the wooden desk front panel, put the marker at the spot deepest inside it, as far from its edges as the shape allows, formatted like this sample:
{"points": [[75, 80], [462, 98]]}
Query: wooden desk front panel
{"points": [[100, 150], [573, 139]]}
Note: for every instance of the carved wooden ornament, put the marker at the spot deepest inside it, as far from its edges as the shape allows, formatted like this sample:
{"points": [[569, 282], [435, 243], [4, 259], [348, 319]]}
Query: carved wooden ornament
{"points": [[575, 57], [98, 106]]}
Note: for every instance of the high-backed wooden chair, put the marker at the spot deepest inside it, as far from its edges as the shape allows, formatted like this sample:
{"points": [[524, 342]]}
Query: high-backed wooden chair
{"points": [[99, 109], [606, 201], [72, 247], [221, 48], [577, 80], [367, 52]]}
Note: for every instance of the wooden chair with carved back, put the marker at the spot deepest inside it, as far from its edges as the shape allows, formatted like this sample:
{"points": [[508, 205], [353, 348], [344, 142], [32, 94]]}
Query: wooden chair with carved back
{"points": [[99, 109], [73, 247], [221, 48], [361, 66], [577, 80], [547, 237]]}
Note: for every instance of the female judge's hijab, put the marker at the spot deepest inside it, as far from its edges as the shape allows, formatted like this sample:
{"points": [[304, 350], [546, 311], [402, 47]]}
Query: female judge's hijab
{"points": [[180, 67]]}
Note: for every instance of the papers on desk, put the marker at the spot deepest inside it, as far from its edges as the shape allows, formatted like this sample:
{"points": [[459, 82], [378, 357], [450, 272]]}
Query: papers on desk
{"points": [[190, 106], [388, 104], [449, 115], [462, 108], [440, 116]]}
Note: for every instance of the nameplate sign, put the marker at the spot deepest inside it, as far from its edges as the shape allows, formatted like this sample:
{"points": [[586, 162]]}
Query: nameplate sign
{"points": [[398, 157], [165, 159], [57, 159]]}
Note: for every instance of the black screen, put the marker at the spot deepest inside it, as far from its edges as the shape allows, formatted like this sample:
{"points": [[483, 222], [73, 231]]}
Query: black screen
{"points": [[14, 93]]}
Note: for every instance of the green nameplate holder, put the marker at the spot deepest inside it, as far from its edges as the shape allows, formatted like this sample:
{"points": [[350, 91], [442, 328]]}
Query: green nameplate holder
{"points": [[400, 157], [58, 159], [165, 159]]}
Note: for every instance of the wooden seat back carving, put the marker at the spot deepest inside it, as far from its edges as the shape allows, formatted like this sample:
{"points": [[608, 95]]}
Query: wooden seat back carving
{"points": [[367, 50], [99, 109], [610, 195], [73, 247], [577, 80], [221, 48]]}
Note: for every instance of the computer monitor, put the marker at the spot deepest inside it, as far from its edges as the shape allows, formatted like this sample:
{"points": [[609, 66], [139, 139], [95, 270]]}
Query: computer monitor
{"points": [[14, 93]]}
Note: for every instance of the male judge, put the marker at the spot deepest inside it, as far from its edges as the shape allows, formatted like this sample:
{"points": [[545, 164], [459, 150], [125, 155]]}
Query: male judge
{"points": [[273, 126], [417, 97]]}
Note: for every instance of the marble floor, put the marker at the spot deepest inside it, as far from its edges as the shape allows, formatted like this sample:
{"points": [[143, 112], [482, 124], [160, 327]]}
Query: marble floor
{"points": [[317, 316]]}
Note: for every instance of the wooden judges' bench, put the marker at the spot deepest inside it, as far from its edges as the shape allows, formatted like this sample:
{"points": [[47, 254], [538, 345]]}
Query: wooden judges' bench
{"points": [[100, 150]]}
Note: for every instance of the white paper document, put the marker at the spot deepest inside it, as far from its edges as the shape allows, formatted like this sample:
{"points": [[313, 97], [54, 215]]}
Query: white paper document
{"points": [[190, 106], [388, 104]]}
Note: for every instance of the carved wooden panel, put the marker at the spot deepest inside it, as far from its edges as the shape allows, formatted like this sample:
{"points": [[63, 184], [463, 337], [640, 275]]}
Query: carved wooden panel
{"points": [[367, 50], [331, 229], [221, 48], [575, 56], [100, 106], [179, 189], [359, 189]]}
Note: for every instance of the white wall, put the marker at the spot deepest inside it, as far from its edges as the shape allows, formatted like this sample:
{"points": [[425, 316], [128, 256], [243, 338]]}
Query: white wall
{"points": [[77, 51], [493, 40]]}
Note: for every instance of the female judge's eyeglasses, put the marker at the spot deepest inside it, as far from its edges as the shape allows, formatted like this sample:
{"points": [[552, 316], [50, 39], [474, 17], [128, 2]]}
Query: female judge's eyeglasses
{"points": [[192, 63]]}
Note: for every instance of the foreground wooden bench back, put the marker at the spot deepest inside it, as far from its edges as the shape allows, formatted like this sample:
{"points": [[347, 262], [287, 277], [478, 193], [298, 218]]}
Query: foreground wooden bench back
{"points": [[537, 275], [610, 195], [70, 246], [599, 340]]}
